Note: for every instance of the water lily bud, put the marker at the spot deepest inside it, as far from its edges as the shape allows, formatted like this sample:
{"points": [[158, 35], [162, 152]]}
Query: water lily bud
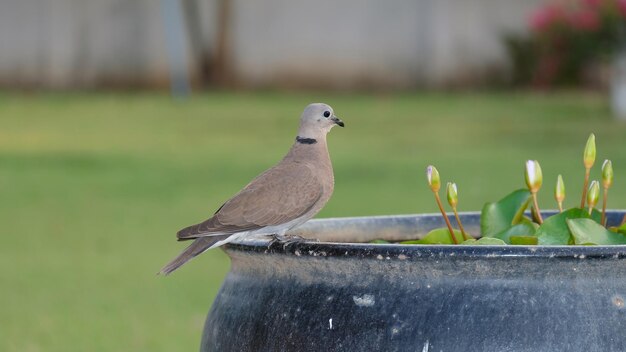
{"points": [[607, 174], [534, 177], [589, 155], [559, 191], [453, 199], [593, 194], [433, 178]]}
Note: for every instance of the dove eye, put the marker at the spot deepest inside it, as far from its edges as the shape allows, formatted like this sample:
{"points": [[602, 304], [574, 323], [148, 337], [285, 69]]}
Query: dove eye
{"points": [[326, 113]]}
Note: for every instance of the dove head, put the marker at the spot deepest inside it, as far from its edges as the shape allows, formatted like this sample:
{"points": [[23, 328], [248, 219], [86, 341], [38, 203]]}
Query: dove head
{"points": [[317, 120]]}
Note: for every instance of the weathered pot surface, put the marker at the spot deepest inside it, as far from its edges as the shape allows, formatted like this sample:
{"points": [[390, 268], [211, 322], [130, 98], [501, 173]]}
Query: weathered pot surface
{"points": [[331, 296]]}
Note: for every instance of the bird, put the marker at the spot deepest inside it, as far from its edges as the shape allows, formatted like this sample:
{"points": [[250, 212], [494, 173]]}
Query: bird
{"points": [[279, 199]]}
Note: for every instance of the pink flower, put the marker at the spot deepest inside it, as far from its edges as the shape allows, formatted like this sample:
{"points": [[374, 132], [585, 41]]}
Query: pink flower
{"points": [[546, 17], [593, 3], [584, 20], [621, 5]]}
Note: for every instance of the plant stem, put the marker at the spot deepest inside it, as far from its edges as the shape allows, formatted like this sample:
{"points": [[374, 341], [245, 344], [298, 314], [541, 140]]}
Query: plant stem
{"points": [[458, 221], [606, 194], [445, 217], [623, 220], [536, 205], [560, 207], [582, 201]]}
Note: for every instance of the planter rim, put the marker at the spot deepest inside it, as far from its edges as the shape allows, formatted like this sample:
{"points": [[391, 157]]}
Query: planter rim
{"points": [[391, 251], [313, 296]]}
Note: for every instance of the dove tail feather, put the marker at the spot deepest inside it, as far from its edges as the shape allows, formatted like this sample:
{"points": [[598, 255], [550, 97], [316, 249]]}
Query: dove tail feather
{"points": [[189, 231], [197, 247], [205, 228]]}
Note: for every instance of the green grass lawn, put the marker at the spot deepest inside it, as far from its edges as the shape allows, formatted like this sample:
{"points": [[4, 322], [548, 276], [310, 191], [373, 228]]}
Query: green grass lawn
{"points": [[94, 187]]}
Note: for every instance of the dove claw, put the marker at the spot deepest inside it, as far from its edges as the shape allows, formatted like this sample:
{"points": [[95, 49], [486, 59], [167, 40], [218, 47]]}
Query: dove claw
{"points": [[285, 241]]}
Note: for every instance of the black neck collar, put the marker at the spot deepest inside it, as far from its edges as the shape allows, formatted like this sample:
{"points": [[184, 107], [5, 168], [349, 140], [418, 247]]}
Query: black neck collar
{"points": [[306, 140]]}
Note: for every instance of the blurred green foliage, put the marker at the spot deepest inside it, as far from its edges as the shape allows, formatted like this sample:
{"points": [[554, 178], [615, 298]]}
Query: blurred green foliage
{"points": [[94, 186]]}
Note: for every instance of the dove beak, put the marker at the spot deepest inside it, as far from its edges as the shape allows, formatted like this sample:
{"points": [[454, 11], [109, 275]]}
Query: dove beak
{"points": [[337, 120]]}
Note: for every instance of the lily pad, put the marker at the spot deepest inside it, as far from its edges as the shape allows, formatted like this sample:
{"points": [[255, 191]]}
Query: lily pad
{"points": [[484, 241], [499, 216], [524, 240], [621, 229], [589, 232], [525, 228], [596, 216], [554, 230], [437, 236]]}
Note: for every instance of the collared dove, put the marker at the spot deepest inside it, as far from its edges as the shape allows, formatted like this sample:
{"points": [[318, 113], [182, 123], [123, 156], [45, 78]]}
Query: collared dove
{"points": [[279, 199]]}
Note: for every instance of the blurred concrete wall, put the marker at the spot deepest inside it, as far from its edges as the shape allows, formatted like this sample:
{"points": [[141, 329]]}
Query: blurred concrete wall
{"points": [[88, 43], [398, 43], [322, 43]]}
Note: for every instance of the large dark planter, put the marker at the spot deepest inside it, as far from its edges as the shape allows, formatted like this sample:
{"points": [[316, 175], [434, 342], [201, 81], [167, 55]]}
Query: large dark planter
{"points": [[323, 296]]}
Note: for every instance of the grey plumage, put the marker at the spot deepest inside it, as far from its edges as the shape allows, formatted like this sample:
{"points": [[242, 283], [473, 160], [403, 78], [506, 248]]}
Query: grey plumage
{"points": [[283, 197]]}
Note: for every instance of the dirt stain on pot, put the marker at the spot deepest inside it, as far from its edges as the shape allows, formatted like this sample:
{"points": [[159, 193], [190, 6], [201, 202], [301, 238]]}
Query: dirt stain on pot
{"points": [[366, 300], [618, 301]]}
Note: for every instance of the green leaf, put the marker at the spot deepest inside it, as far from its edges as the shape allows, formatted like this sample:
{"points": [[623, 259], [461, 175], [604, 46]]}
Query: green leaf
{"points": [[587, 231], [484, 241], [525, 228], [437, 236], [524, 240], [379, 241], [554, 230], [499, 216], [596, 215], [621, 229]]}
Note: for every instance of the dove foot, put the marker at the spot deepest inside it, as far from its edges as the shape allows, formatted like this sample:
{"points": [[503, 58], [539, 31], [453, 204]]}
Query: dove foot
{"points": [[285, 241]]}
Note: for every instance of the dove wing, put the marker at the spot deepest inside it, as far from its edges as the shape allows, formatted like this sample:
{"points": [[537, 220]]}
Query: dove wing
{"points": [[277, 196]]}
